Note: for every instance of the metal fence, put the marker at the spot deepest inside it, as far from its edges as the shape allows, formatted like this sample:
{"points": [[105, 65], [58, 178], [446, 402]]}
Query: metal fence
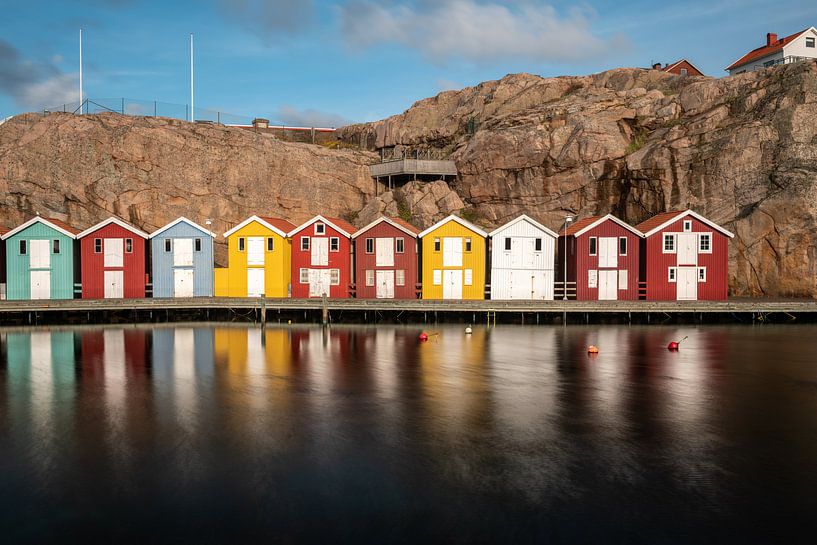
{"points": [[150, 108]]}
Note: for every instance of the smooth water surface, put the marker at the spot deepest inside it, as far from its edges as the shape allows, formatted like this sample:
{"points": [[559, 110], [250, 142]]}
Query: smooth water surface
{"points": [[218, 434]]}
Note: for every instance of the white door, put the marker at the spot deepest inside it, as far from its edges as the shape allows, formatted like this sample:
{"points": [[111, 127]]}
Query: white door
{"points": [[319, 282], [114, 251], [320, 251], [114, 284], [255, 251], [687, 249], [385, 284], [384, 252], [183, 282], [40, 284], [528, 253], [608, 252], [183, 252], [452, 252], [608, 285], [255, 282], [544, 286], [686, 280], [452, 284], [40, 254]]}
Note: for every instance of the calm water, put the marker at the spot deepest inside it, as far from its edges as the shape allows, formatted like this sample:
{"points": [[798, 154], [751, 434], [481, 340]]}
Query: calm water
{"points": [[229, 435]]}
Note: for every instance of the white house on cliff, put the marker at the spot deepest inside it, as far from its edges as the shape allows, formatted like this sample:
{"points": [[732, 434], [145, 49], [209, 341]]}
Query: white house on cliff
{"points": [[797, 47]]}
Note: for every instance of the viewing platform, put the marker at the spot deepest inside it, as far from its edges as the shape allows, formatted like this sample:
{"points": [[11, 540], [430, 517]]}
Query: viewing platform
{"points": [[406, 166]]}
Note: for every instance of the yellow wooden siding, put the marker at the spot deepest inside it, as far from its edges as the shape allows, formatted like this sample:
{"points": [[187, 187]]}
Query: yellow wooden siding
{"points": [[221, 280], [276, 263], [474, 260]]}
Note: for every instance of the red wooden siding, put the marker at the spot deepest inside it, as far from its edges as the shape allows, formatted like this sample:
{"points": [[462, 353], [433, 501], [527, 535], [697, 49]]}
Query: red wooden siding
{"points": [[93, 264], [406, 261], [716, 286], [579, 260], [341, 260]]}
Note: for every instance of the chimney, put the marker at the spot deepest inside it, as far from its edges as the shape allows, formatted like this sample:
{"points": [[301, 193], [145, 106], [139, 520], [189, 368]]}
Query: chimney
{"points": [[656, 66], [260, 123], [771, 38]]}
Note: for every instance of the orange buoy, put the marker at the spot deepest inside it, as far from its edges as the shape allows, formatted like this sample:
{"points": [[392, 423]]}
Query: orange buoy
{"points": [[423, 336], [592, 349]]}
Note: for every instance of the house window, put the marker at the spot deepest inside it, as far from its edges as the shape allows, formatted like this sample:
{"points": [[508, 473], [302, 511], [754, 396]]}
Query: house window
{"points": [[469, 277], [304, 276], [270, 244], [400, 277], [55, 246], [671, 274], [437, 244], [167, 245], [622, 279], [334, 277], [400, 245], [684, 71], [468, 244], [305, 244], [669, 243], [702, 274], [809, 42], [241, 244], [198, 244], [593, 245], [622, 246], [128, 245], [507, 244], [438, 277], [369, 277], [334, 244], [320, 229], [97, 245], [369, 245], [705, 243], [23, 247], [537, 245], [687, 226]]}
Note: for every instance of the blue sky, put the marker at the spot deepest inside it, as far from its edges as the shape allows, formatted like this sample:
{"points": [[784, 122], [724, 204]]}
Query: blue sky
{"points": [[328, 62]]}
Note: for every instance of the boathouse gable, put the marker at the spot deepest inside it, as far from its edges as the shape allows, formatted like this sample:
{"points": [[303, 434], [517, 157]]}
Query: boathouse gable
{"points": [[522, 256], [113, 261], [40, 260], [322, 258], [386, 262], [453, 254], [182, 260]]}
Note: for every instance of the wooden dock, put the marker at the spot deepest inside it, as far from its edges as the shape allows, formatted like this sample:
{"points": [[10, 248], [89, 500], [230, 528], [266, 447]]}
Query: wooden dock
{"points": [[411, 311]]}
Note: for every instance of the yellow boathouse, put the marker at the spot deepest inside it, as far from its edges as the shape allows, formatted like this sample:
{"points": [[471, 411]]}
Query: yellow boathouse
{"points": [[453, 260]]}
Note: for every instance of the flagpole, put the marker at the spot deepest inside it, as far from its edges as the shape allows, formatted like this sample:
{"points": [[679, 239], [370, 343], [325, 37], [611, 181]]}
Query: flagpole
{"points": [[80, 71], [192, 103]]}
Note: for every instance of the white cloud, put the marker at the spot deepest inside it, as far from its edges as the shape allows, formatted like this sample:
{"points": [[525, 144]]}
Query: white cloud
{"points": [[54, 91], [476, 31], [32, 84], [290, 115]]}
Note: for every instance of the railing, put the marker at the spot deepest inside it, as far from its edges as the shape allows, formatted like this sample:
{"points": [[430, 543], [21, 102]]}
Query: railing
{"points": [[392, 154], [785, 60]]}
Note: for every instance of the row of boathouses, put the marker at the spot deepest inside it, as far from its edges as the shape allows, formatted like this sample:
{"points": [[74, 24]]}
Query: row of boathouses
{"points": [[674, 255]]}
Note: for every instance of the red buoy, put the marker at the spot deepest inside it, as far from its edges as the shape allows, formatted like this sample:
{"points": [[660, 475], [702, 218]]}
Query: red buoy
{"points": [[672, 346], [423, 336]]}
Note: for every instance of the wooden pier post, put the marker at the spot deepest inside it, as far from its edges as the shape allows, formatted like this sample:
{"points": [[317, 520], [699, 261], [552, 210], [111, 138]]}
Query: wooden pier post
{"points": [[263, 312], [324, 311]]}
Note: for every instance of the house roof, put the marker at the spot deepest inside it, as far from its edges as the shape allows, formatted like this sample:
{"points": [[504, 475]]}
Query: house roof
{"points": [[277, 225], [530, 220], [659, 221], [179, 220], [452, 217], [676, 63], [3, 230], [342, 226], [58, 225], [765, 50], [108, 221], [404, 226], [584, 225]]}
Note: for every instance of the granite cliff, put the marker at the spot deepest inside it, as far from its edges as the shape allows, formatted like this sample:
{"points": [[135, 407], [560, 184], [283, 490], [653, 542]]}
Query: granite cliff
{"points": [[740, 150]]}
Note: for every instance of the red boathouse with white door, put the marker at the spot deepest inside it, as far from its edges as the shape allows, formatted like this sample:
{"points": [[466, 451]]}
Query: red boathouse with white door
{"points": [[113, 264], [322, 258], [386, 260], [685, 257], [602, 258]]}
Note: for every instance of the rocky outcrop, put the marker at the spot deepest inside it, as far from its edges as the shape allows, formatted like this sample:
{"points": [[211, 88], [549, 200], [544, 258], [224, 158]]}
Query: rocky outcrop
{"points": [[421, 203], [149, 171], [740, 150]]}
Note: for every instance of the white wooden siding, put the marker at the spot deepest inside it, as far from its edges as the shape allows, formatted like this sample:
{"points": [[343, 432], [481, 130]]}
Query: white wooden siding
{"points": [[520, 261]]}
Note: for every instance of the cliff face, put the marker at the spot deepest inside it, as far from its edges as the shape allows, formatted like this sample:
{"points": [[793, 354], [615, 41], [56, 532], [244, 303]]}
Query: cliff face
{"points": [[741, 151], [149, 171]]}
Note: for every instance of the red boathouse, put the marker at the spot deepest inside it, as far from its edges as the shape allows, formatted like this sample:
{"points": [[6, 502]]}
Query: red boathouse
{"points": [[685, 257], [113, 261], [386, 260], [322, 258], [602, 258]]}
